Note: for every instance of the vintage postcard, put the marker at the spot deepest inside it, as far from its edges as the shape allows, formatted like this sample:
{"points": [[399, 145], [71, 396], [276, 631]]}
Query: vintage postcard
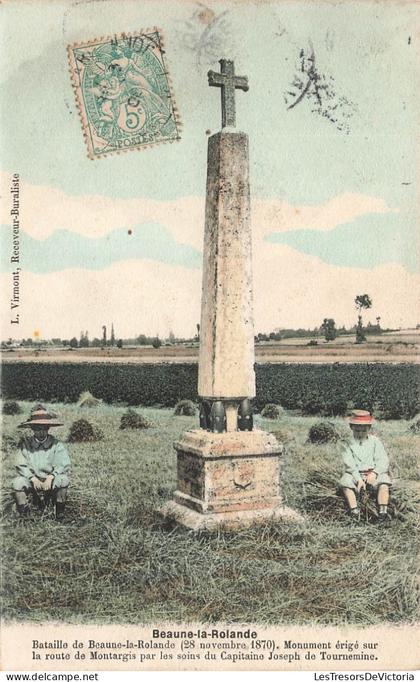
{"points": [[210, 336]]}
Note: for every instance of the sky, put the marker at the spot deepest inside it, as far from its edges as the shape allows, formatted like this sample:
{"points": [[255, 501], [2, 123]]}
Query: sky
{"points": [[119, 239]]}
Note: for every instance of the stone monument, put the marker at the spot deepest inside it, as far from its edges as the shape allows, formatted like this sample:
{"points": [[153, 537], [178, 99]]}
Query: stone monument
{"points": [[228, 472]]}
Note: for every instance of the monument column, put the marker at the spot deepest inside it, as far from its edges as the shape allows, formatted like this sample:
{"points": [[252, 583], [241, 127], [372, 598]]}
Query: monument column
{"points": [[226, 360], [228, 472]]}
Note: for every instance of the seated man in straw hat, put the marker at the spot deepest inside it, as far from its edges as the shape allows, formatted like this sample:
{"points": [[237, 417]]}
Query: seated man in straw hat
{"points": [[43, 464], [366, 464]]}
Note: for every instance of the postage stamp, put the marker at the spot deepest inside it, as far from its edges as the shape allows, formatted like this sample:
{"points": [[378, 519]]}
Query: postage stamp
{"points": [[123, 92]]}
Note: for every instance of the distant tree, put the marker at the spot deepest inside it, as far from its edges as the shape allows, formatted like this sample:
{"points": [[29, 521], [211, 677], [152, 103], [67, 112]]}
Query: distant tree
{"points": [[156, 343], [73, 343], [197, 336], [171, 337], [378, 322], [142, 340], [360, 335], [104, 335], [84, 340], [65, 342], [119, 343], [112, 339], [362, 302], [96, 343], [328, 327]]}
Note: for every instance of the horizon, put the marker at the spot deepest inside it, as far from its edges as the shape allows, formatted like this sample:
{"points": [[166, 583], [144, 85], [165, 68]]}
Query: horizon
{"points": [[341, 331]]}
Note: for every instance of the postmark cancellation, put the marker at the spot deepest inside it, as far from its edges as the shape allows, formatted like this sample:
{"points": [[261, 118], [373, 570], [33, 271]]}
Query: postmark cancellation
{"points": [[123, 92]]}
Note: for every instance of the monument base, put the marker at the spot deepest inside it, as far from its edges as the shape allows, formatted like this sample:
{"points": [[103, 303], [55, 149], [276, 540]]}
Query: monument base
{"points": [[226, 520], [228, 480]]}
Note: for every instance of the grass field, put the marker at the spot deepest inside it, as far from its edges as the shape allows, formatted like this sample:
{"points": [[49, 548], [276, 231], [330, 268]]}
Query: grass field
{"points": [[116, 561]]}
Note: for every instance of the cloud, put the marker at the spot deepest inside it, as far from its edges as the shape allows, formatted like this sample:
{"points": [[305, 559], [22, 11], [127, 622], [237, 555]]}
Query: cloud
{"points": [[366, 242], [137, 296], [279, 216], [143, 296], [45, 209], [63, 249]]}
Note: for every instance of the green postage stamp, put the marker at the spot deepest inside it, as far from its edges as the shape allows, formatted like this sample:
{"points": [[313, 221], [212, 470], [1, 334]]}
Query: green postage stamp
{"points": [[123, 92]]}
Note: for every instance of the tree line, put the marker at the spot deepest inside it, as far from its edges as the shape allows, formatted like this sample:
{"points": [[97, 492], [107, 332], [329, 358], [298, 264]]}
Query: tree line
{"points": [[327, 328]]}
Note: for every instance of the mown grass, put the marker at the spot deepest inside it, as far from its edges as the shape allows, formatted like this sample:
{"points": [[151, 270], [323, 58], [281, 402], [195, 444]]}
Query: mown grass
{"points": [[116, 560]]}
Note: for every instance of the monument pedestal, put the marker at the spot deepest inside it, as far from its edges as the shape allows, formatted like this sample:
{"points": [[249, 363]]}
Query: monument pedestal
{"points": [[228, 480]]}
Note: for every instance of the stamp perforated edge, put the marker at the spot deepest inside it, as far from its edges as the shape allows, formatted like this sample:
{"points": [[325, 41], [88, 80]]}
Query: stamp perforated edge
{"points": [[79, 104]]}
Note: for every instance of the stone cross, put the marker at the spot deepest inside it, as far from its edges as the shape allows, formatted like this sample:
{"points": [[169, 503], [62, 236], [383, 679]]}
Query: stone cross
{"points": [[228, 82]]}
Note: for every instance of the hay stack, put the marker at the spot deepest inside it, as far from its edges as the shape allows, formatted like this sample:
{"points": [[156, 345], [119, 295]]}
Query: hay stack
{"points": [[86, 399]]}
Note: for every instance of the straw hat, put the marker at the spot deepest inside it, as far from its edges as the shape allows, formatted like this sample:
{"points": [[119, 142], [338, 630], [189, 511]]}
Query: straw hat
{"points": [[362, 417], [40, 417]]}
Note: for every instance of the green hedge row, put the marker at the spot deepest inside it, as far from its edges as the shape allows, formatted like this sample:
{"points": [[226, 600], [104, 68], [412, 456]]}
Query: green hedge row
{"points": [[316, 389], [132, 384], [391, 390]]}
